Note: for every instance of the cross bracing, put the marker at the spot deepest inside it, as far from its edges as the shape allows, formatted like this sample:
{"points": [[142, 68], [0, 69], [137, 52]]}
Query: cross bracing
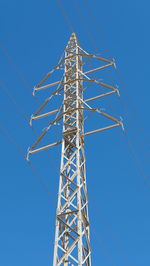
{"points": [[72, 236]]}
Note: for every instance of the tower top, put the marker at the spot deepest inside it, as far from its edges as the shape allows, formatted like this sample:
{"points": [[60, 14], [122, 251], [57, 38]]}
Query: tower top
{"points": [[73, 41], [73, 35]]}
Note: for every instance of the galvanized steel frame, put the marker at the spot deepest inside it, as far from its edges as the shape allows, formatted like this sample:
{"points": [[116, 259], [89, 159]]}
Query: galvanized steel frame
{"points": [[72, 236]]}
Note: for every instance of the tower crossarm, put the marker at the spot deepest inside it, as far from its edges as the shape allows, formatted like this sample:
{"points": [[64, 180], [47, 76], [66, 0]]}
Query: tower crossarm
{"points": [[97, 69], [101, 96], [102, 129]]}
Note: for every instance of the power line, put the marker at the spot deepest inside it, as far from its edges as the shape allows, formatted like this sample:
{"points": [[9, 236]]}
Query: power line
{"points": [[21, 76], [127, 138], [65, 15], [43, 185], [119, 97], [27, 86], [23, 114], [85, 26], [138, 162], [22, 154], [23, 79], [32, 168], [133, 110], [128, 141], [131, 157], [26, 119], [109, 230], [137, 138], [97, 28], [16, 69], [102, 246], [130, 122], [119, 77]]}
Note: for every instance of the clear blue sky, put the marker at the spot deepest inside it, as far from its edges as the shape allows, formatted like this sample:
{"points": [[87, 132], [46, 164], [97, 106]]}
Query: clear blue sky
{"points": [[35, 33]]}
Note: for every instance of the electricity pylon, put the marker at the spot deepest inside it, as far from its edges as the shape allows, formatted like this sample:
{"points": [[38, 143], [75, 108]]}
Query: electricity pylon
{"points": [[72, 237]]}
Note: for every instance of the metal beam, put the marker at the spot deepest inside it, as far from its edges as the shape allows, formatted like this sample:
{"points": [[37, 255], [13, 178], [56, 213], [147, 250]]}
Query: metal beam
{"points": [[101, 129], [44, 115], [100, 96], [99, 68], [44, 148], [46, 86]]}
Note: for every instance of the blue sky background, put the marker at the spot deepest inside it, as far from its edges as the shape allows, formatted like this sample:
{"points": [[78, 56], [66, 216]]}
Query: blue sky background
{"points": [[35, 33]]}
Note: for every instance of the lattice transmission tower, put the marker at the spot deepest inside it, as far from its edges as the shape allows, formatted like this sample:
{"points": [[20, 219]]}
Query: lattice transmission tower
{"points": [[72, 236]]}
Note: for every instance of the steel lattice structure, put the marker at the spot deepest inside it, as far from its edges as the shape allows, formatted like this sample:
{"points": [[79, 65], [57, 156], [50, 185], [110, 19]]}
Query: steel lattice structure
{"points": [[72, 238]]}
